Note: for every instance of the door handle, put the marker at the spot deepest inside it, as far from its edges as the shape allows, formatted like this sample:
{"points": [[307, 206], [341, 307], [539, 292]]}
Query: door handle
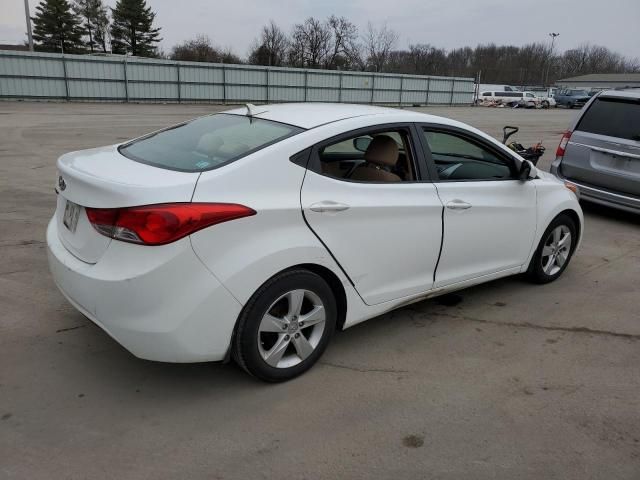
{"points": [[328, 206], [458, 205]]}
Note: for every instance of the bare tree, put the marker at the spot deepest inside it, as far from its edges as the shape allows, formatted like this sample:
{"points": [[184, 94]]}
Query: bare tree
{"points": [[344, 51], [270, 48], [378, 44], [201, 49], [310, 43]]}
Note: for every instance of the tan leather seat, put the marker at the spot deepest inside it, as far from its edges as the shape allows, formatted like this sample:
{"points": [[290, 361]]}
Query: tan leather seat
{"points": [[381, 153]]}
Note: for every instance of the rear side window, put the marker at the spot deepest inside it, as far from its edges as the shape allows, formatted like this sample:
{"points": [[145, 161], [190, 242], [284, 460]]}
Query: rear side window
{"points": [[206, 143], [612, 117]]}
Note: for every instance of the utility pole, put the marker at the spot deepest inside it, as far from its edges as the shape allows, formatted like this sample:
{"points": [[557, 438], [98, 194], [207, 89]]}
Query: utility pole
{"points": [[553, 41], [28, 15]]}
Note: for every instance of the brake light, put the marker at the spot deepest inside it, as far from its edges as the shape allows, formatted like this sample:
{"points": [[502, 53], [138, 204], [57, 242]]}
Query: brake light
{"points": [[163, 223], [563, 144]]}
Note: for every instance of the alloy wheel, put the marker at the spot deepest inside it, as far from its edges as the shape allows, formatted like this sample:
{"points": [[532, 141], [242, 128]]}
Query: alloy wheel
{"points": [[291, 329], [556, 250]]}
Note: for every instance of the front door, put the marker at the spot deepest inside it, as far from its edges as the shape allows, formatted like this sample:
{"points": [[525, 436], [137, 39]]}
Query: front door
{"points": [[489, 215]]}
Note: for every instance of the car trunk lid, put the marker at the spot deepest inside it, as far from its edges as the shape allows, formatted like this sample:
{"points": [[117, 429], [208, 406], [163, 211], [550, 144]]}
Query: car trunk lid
{"points": [[103, 178]]}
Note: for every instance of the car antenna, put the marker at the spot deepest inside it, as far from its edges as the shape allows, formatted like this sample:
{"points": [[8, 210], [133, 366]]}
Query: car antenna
{"points": [[252, 110]]}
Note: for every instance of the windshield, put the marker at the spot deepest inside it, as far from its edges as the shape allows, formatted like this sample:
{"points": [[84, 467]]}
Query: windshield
{"points": [[207, 143], [576, 93]]}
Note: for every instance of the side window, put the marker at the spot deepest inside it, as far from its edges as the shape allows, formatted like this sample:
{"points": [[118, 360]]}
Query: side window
{"points": [[459, 159], [487, 94], [376, 156]]}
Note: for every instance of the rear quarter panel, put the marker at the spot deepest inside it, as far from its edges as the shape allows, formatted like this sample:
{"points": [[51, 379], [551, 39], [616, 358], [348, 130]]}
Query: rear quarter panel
{"points": [[245, 253]]}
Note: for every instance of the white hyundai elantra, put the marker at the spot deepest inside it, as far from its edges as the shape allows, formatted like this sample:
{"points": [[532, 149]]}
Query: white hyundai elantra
{"points": [[253, 234]]}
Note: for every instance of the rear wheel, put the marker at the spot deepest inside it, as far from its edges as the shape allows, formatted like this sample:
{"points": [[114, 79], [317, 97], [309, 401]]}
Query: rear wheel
{"points": [[554, 251], [285, 326], [545, 104]]}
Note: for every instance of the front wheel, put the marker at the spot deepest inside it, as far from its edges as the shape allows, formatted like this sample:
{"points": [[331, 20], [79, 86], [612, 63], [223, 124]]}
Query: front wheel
{"points": [[554, 250], [285, 327]]}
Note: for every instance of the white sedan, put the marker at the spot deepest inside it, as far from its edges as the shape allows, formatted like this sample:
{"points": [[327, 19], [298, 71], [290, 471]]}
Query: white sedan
{"points": [[253, 234]]}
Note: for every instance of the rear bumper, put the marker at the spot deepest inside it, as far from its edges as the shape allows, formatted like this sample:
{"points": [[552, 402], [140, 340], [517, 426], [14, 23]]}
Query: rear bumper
{"points": [[160, 303], [601, 196]]}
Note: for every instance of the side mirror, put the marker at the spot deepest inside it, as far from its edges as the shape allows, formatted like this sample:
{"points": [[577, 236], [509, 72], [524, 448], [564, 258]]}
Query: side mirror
{"points": [[525, 171], [361, 143]]}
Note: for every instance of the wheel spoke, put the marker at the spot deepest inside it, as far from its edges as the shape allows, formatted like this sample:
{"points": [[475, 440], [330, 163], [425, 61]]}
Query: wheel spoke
{"points": [[549, 264], [565, 240], [295, 299], [562, 257], [314, 317], [273, 356], [302, 346], [546, 251], [272, 324], [556, 235]]}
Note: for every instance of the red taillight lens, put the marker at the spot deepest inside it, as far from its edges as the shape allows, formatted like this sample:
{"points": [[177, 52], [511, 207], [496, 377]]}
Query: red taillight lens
{"points": [[563, 144], [163, 223]]}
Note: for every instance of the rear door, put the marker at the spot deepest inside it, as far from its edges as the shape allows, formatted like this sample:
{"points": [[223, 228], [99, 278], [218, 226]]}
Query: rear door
{"points": [[604, 149], [385, 234]]}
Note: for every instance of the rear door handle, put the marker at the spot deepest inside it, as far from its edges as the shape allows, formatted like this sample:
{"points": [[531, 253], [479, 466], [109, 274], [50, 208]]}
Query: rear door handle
{"points": [[328, 206], [458, 205]]}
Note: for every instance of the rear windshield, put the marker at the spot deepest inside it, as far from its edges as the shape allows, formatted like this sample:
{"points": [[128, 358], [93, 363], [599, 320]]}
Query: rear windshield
{"points": [[612, 117], [207, 142]]}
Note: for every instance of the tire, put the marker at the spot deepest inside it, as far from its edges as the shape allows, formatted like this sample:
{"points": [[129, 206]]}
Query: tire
{"points": [[275, 340], [545, 104], [552, 256]]}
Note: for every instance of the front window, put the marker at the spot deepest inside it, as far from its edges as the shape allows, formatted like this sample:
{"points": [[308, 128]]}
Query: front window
{"points": [[459, 159], [206, 143]]}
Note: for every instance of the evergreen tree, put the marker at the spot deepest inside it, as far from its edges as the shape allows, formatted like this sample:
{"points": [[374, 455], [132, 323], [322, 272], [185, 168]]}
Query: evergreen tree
{"points": [[95, 22], [56, 28], [132, 28]]}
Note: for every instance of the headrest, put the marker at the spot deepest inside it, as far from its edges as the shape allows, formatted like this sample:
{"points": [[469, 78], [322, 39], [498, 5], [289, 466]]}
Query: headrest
{"points": [[382, 150]]}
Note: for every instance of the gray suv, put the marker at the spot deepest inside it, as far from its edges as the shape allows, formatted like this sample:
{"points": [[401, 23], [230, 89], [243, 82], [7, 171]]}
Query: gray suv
{"points": [[601, 151]]}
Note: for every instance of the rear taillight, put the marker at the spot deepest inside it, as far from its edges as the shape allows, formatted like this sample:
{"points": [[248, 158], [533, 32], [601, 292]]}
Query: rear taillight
{"points": [[162, 223], [563, 144]]}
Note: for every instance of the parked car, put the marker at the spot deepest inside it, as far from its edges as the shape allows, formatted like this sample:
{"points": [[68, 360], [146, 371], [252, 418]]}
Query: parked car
{"points": [[601, 150], [253, 234], [572, 98], [525, 99]]}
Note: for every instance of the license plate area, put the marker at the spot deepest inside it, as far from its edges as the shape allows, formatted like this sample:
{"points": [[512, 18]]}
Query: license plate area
{"points": [[71, 215]]}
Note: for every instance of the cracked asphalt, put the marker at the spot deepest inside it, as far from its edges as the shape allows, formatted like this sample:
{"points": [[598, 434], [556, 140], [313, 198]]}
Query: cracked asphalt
{"points": [[501, 381]]}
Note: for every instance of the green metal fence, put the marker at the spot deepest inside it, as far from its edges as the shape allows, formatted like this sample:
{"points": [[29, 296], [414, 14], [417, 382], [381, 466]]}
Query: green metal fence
{"points": [[27, 75]]}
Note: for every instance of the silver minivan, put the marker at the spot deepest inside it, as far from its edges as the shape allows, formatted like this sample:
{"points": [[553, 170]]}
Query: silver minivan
{"points": [[600, 153]]}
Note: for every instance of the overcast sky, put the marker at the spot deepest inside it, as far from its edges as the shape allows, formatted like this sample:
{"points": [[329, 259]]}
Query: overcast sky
{"points": [[443, 23]]}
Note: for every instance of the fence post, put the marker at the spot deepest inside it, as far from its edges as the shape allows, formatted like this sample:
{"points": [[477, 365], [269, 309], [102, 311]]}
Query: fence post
{"points": [[305, 85], [400, 98], [373, 86], [179, 87], [426, 100], [224, 85], [126, 81], [340, 90], [267, 85], [66, 80], [453, 87]]}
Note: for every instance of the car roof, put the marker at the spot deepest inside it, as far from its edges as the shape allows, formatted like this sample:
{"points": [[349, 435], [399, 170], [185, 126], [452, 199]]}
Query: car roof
{"points": [[626, 93], [311, 115]]}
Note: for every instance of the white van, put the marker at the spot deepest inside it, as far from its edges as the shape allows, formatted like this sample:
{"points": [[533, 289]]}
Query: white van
{"points": [[525, 99]]}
